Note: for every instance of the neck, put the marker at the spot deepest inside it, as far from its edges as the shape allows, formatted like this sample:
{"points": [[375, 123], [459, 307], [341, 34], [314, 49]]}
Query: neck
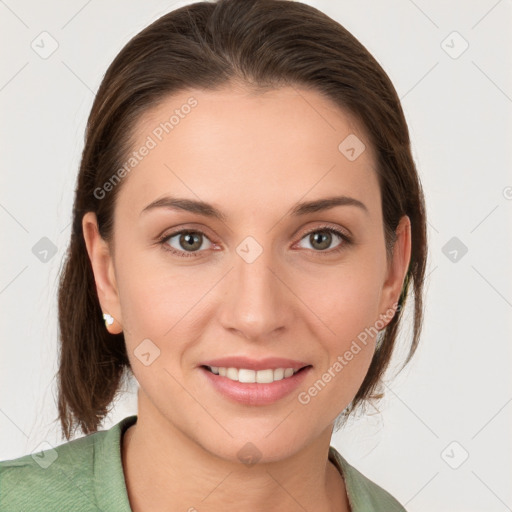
{"points": [[166, 470]]}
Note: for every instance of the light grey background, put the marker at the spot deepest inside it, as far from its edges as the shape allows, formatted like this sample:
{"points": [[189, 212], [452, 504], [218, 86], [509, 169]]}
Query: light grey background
{"points": [[454, 400]]}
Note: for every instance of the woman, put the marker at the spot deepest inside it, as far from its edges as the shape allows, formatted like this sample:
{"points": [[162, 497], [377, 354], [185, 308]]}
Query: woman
{"points": [[247, 222]]}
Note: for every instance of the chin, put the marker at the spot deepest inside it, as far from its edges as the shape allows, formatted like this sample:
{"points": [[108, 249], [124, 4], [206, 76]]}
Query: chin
{"points": [[257, 442]]}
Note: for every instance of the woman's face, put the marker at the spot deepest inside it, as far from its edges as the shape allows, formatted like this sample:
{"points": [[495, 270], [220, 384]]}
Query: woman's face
{"points": [[266, 280]]}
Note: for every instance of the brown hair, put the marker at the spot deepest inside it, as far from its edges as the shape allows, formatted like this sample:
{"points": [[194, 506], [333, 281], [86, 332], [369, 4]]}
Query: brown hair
{"points": [[260, 44]]}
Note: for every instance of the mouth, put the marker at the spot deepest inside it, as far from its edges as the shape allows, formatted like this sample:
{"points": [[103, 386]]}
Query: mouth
{"points": [[250, 387], [249, 376]]}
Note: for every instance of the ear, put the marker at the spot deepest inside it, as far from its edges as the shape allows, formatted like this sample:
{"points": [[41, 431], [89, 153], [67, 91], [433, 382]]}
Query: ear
{"points": [[103, 268], [397, 270]]}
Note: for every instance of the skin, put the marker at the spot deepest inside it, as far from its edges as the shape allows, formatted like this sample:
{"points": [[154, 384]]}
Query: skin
{"points": [[253, 156]]}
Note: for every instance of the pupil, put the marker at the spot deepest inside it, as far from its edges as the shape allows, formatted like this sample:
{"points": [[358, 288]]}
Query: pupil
{"points": [[190, 239], [322, 238]]}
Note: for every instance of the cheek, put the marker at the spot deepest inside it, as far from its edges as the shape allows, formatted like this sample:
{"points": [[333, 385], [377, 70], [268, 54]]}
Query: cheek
{"points": [[349, 312], [346, 302], [162, 305], [344, 298]]}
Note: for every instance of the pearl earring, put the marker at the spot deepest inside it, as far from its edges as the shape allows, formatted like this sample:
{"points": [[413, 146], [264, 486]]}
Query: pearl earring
{"points": [[108, 319]]}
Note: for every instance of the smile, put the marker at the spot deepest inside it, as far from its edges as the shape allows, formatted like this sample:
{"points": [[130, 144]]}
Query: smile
{"points": [[254, 387], [250, 376]]}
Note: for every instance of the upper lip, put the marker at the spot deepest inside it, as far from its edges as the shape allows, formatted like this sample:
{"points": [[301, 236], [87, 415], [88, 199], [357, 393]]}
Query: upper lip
{"points": [[271, 363]]}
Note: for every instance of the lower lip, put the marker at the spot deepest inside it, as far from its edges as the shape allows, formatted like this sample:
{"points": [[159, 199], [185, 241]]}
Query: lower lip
{"points": [[254, 393]]}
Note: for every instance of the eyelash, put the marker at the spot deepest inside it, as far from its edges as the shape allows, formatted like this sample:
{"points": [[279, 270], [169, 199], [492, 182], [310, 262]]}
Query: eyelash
{"points": [[183, 254]]}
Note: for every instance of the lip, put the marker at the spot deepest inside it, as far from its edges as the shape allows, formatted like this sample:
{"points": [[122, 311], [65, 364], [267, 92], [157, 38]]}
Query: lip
{"points": [[267, 363], [254, 393]]}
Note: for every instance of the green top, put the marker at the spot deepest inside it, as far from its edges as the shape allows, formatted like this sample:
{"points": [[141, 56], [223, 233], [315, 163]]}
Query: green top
{"points": [[86, 474]]}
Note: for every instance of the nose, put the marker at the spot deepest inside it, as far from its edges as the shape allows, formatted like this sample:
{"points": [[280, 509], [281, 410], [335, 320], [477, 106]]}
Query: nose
{"points": [[258, 303]]}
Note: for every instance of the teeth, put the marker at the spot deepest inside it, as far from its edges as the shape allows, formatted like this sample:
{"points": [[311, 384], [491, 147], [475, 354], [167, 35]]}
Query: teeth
{"points": [[248, 376], [279, 373]]}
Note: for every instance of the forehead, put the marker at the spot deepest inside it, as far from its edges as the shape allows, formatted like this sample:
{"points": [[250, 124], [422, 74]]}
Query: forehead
{"points": [[233, 145]]}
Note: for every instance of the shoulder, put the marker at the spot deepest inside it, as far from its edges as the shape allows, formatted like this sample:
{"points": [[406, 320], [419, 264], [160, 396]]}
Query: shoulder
{"points": [[60, 475], [64, 477], [364, 495]]}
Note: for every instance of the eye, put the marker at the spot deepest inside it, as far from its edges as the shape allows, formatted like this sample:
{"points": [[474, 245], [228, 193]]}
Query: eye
{"points": [[321, 238], [187, 241]]}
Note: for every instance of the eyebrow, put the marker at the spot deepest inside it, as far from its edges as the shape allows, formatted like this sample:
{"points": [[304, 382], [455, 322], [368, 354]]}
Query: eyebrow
{"points": [[208, 210]]}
